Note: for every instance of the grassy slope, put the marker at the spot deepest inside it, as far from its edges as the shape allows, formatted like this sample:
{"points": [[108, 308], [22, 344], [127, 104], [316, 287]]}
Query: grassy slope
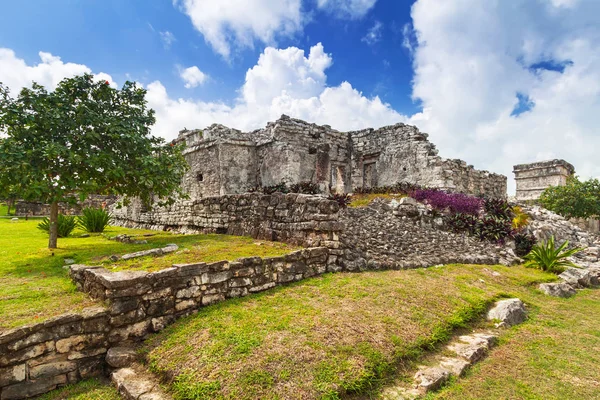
{"points": [[554, 355], [34, 286], [331, 335]]}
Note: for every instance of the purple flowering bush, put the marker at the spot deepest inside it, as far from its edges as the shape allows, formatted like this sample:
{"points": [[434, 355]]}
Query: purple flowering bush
{"points": [[444, 201]]}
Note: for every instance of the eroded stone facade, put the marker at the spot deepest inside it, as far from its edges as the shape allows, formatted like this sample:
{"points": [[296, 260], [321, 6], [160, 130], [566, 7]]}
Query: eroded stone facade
{"points": [[532, 179], [227, 161]]}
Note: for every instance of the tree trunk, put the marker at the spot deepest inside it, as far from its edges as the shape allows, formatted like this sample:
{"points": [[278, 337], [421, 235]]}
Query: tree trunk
{"points": [[10, 203], [53, 225]]}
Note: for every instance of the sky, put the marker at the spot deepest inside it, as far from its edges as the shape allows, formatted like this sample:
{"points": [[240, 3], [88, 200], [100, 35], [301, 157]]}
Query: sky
{"points": [[494, 82]]}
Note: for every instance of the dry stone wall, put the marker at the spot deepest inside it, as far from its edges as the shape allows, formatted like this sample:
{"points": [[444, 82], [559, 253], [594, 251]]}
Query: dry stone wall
{"points": [[38, 358], [406, 234], [28, 208], [297, 219]]}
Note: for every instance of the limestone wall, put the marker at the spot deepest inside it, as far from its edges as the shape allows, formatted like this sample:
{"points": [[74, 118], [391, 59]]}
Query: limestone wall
{"points": [[23, 208], [297, 219], [38, 358], [406, 234], [532, 179]]}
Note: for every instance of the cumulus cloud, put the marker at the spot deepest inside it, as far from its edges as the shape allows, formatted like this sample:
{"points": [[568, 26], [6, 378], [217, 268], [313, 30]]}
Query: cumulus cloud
{"points": [[192, 76], [347, 9], [476, 61], [373, 34], [242, 22], [284, 81], [16, 74]]}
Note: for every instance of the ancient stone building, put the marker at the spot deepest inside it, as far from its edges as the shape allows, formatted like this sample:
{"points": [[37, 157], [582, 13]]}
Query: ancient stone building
{"points": [[228, 161], [532, 179]]}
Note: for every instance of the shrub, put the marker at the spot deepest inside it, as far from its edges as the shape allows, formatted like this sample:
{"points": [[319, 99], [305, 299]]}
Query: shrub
{"points": [[494, 229], [462, 223], [523, 243], [498, 208], [453, 202], [521, 219], [66, 225], [342, 199], [94, 219], [547, 257]]}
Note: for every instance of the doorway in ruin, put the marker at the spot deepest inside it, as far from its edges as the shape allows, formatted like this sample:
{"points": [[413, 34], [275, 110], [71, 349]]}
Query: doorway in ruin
{"points": [[369, 174], [338, 184]]}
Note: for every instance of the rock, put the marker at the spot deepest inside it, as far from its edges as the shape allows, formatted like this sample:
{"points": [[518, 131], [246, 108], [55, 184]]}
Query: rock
{"points": [[120, 357], [557, 289], [84, 235], [114, 258], [455, 366], [579, 278], [408, 201], [431, 378], [473, 347], [509, 312], [14, 220], [69, 261]]}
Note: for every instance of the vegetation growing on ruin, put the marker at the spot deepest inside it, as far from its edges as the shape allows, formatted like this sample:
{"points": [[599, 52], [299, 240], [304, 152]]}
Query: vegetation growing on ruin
{"points": [[577, 199], [91, 389], [35, 287]]}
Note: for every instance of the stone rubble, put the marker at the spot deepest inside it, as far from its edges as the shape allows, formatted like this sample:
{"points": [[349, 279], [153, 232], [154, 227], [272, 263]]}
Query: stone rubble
{"points": [[135, 384], [169, 248], [508, 312]]}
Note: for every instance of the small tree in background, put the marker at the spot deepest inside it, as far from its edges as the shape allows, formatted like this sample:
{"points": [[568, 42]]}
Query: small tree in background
{"points": [[576, 199], [84, 138]]}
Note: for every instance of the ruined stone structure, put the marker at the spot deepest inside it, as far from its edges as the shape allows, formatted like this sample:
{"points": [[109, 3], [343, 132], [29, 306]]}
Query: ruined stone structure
{"points": [[532, 179], [228, 161], [31, 208]]}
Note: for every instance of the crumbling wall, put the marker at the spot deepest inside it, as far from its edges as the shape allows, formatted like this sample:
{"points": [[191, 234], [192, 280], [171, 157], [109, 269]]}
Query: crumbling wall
{"points": [[532, 179], [29, 208]]}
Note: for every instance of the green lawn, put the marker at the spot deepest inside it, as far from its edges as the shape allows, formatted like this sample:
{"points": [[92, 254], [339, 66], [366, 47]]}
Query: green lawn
{"points": [[92, 389], [34, 286], [338, 335]]}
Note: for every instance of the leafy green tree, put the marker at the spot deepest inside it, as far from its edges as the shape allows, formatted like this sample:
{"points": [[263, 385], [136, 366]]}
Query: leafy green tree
{"points": [[83, 138], [576, 199]]}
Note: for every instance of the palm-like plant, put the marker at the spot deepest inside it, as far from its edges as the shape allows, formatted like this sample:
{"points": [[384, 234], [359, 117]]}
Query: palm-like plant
{"points": [[547, 257]]}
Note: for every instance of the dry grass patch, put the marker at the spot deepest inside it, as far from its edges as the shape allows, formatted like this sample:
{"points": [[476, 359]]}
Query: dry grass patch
{"points": [[363, 199], [331, 336]]}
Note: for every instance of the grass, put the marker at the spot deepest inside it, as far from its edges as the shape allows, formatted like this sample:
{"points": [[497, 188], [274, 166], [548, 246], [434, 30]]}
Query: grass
{"points": [[91, 389], [363, 200], [338, 335], [35, 287], [3, 210], [554, 355]]}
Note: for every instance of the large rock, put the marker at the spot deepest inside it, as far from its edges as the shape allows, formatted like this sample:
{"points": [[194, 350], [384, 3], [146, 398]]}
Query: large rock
{"points": [[509, 312], [557, 289], [432, 378], [579, 277]]}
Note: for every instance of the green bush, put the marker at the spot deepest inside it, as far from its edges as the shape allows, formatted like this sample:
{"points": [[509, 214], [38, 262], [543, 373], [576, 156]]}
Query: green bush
{"points": [[94, 219], [66, 225], [547, 257]]}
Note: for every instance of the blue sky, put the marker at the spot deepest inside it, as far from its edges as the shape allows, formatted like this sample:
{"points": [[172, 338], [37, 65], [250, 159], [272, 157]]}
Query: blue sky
{"points": [[496, 83], [124, 38]]}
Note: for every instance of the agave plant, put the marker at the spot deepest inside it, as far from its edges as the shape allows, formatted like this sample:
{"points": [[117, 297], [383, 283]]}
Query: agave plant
{"points": [[547, 257]]}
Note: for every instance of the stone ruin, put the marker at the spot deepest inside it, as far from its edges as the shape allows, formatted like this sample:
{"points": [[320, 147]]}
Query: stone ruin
{"points": [[228, 161], [532, 179]]}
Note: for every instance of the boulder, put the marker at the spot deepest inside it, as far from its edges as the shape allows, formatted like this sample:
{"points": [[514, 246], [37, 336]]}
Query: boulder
{"points": [[432, 378], [579, 278], [508, 312], [557, 289]]}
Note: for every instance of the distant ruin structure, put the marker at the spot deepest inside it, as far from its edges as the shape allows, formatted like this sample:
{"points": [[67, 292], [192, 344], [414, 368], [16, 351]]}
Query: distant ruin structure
{"points": [[227, 161], [532, 179]]}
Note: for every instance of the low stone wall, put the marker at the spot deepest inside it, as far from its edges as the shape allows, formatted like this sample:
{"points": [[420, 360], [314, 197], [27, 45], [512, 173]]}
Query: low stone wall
{"points": [[28, 208], [406, 234], [36, 359], [308, 221]]}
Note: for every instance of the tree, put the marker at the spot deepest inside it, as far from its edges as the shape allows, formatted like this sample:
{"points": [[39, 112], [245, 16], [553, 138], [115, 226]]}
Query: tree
{"points": [[84, 138], [576, 199]]}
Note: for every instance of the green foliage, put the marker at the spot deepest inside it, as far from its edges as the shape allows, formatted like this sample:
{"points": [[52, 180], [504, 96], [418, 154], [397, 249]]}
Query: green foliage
{"points": [[94, 219], [524, 242], [547, 257], [66, 225], [576, 199], [84, 137]]}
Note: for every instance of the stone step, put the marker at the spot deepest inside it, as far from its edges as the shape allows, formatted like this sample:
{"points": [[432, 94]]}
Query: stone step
{"points": [[135, 384]]}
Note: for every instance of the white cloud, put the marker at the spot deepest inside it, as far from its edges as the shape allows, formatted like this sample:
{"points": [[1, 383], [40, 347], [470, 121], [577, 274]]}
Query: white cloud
{"points": [[167, 38], [192, 76], [16, 74], [373, 34], [284, 81], [350, 9], [243, 21], [474, 57]]}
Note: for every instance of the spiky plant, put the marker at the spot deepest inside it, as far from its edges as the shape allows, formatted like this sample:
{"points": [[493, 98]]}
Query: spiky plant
{"points": [[66, 225], [94, 219], [547, 257]]}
